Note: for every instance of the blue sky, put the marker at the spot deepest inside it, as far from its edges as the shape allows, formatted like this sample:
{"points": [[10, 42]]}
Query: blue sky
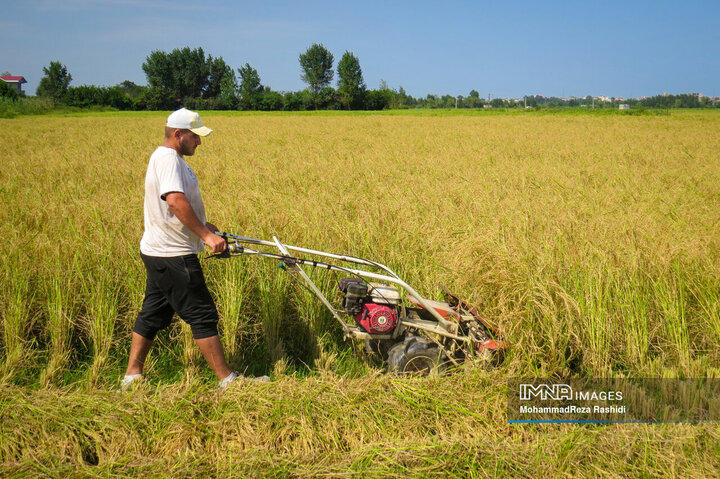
{"points": [[503, 49]]}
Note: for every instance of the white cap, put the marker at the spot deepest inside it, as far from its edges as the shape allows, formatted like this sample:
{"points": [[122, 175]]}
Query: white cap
{"points": [[185, 119]]}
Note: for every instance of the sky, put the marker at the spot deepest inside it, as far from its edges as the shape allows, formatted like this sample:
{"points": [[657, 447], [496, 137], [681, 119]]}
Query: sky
{"points": [[505, 49]]}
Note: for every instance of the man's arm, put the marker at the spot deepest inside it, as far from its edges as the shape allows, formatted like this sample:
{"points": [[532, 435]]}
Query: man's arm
{"points": [[181, 208]]}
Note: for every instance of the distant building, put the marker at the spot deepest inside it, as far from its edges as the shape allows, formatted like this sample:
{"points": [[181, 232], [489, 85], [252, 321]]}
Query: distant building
{"points": [[623, 106], [14, 81]]}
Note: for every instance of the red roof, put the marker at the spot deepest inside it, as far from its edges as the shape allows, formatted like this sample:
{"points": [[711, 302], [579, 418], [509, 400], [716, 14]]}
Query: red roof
{"points": [[9, 78]]}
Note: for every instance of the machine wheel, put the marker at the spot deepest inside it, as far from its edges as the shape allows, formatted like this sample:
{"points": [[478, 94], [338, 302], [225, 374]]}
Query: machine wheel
{"points": [[379, 347], [416, 356]]}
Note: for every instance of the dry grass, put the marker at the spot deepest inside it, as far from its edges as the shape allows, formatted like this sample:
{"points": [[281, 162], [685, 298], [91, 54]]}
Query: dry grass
{"points": [[329, 425]]}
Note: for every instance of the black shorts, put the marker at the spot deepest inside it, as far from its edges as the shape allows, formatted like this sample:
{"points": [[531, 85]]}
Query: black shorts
{"points": [[176, 285]]}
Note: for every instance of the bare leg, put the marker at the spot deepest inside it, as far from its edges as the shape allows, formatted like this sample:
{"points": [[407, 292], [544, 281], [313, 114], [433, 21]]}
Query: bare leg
{"points": [[212, 350], [139, 349]]}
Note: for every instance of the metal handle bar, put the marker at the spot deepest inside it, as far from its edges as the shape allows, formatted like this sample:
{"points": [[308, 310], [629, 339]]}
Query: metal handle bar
{"points": [[349, 259], [291, 260]]}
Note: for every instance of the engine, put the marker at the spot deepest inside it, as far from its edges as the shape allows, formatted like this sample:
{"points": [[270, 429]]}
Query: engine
{"points": [[373, 305], [377, 318]]}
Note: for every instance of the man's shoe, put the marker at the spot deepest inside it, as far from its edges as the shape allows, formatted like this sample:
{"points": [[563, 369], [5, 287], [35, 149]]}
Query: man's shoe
{"points": [[228, 380], [130, 379], [235, 376]]}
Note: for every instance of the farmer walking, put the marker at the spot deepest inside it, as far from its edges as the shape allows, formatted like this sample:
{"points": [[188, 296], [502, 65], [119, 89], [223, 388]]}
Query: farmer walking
{"points": [[175, 232]]}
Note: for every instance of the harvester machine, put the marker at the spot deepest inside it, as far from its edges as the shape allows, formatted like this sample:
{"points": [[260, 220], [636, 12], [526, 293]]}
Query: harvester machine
{"points": [[410, 333]]}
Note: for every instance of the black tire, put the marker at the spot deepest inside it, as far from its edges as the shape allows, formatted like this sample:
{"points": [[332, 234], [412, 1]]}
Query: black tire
{"points": [[416, 356]]}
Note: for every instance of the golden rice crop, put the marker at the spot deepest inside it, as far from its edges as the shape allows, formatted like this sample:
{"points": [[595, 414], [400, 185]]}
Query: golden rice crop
{"points": [[591, 240]]}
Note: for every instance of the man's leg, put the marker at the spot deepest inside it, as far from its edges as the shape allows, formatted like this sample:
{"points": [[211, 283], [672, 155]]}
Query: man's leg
{"points": [[194, 304], [155, 314], [211, 348], [139, 349]]}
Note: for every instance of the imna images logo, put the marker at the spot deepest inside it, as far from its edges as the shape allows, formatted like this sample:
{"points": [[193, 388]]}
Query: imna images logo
{"points": [[560, 392], [545, 392]]}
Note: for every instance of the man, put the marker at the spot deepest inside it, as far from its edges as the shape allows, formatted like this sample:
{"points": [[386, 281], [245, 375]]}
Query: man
{"points": [[175, 231]]}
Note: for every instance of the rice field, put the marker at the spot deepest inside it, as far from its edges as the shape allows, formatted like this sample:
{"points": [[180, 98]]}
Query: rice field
{"points": [[590, 239]]}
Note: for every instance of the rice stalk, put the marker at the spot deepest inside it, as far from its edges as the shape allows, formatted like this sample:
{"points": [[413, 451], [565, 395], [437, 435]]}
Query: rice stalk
{"points": [[59, 325], [673, 308], [232, 284], [273, 298], [17, 318], [102, 293]]}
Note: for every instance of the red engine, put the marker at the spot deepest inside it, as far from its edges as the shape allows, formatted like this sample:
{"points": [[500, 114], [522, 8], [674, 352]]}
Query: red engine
{"points": [[376, 318]]}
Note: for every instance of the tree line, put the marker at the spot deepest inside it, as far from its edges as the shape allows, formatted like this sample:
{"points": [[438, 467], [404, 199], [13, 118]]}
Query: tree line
{"points": [[187, 77]]}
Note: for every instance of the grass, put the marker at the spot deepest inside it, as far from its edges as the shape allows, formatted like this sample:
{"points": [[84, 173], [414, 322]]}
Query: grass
{"points": [[25, 106], [590, 239], [329, 425]]}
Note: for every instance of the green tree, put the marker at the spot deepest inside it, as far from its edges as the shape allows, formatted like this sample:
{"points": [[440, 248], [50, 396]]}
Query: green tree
{"points": [[192, 72], [218, 71], [351, 85], [85, 96], [317, 67], [298, 100], [131, 89], [251, 90], [473, 100], [328, 99], [228, 98], [158, 68], [182, 73], [55, 82], [6, 91], [378, 99], [271, 100]]}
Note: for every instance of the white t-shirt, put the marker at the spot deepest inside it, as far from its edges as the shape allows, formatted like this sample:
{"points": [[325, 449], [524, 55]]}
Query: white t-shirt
{"points": [[164, 234]]}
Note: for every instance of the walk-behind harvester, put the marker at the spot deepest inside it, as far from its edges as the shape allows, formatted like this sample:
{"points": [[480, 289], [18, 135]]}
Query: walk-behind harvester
{"points": [[412, 334]]}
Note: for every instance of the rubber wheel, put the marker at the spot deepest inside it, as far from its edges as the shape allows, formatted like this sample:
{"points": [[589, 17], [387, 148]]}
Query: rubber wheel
{"points": [[416, 356]]}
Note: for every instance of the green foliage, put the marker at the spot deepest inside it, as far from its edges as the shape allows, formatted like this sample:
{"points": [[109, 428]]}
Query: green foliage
{"points": [[351, 86], [328, 99], [6, 91], [187, 77], [227, 98], [132, 90], [160, 98], [87, 95], [54, 84], [378, 99], [687, 100], [271, 100], [24, 106], [182, 73], [298, 101], [473, 100], [250, 88], [317, 67], [220, 73]]}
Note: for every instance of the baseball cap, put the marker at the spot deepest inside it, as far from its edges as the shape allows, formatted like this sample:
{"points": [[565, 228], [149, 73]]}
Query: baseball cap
{"points": [[187, 120]]}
